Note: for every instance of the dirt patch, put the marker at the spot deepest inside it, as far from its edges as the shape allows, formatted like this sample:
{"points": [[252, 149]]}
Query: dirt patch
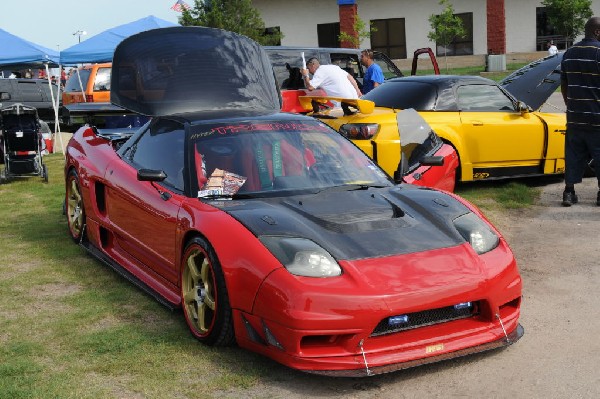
{"points": [[558, 253]]}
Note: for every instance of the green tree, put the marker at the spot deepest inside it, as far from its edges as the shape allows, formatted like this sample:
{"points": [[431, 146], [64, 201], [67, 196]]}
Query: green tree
{"points": [[445, 27], [568, 17], [362, 32], [233, 15]]}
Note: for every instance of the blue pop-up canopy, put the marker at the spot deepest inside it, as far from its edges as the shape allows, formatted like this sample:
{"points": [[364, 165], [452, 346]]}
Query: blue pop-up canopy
{"points": [[19, 53], [100, 48]]}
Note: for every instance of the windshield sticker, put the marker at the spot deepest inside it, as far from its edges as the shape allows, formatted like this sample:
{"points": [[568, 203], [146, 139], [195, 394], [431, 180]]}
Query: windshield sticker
{"points": [[222, 182], [261, 127]]}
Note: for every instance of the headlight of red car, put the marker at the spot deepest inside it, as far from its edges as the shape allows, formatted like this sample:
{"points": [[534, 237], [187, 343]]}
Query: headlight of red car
{"points": [[302, 257], [359, 131], [476, 232]]}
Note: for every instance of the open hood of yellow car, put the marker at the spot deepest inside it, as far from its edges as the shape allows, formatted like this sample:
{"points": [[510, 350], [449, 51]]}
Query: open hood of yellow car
{"points": [[535, 82]]}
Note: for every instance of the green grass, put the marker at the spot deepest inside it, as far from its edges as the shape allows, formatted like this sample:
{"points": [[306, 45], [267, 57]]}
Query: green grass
{"points": [[502, 194], [72, 328], [475, 70]]}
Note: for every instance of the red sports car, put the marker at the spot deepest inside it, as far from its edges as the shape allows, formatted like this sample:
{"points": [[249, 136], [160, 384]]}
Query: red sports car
{"points": [[271, 230]]}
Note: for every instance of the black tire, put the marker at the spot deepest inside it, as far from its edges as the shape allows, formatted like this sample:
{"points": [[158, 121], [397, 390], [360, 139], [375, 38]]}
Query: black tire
{"points": [[45, 173], [4, 176], [74, 207], [204, 295]]}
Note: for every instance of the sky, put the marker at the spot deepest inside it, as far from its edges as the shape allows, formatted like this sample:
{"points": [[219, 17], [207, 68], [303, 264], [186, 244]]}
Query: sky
{"points": [[52, 24]]}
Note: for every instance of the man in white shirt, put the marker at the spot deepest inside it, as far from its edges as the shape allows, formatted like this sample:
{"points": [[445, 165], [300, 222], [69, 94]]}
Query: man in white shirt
{"points": [[331, 78]]}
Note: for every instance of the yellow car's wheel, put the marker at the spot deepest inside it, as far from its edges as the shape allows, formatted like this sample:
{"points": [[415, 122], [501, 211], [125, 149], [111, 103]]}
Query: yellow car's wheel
{"points": [[204, 296], [74, 207]]}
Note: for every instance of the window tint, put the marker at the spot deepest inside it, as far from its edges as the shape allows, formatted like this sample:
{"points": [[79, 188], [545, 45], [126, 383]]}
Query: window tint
{"points": [[102, 81], [387, 67], [279, 59], [267, 156], [161, 148], [348, 62], [73, 82], [483, 98], [418, 95]]}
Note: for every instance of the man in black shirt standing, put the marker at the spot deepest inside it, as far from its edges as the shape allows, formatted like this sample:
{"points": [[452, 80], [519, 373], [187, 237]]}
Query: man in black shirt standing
{"points": [[580, 87]]}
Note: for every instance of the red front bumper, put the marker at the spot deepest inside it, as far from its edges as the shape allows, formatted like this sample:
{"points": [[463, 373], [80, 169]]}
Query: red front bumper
{"points": [[329, 329]]}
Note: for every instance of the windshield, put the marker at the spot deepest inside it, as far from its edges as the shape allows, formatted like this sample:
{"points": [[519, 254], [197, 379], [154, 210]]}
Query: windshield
{"points": [[271, 158], [78, 80]]}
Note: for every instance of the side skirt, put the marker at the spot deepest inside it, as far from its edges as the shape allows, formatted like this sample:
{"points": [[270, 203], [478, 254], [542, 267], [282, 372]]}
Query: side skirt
{"points": [[508, 173], [98, 254]]}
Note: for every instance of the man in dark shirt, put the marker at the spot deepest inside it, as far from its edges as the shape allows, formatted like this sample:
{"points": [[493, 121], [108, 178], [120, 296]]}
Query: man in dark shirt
{"points": [[580, 87]]}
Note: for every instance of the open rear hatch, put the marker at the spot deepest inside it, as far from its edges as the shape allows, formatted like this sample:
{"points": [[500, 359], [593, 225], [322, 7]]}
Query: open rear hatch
{"points": [[179, 70]]}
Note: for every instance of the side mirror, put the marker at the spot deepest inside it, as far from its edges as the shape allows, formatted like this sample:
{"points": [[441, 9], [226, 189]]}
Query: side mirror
{"points": [[522, 107], [428, 160], [402, 168], [432, 160], [151, 175]]}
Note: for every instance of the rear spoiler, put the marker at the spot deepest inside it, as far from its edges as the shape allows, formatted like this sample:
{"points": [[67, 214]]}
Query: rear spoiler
{"points": [[110, 118], [18, 109], [78, 114], [363, 106]]}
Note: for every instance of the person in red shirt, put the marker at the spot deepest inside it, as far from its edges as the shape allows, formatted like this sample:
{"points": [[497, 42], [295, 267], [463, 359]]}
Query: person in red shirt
{"points": [[63, 77]]}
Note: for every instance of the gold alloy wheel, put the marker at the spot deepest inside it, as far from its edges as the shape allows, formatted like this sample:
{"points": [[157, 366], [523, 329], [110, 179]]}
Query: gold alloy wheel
{"points": [[199, 292], [75, 213]]}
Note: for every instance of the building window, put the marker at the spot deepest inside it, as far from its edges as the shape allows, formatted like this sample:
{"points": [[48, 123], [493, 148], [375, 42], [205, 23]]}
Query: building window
{"points": [[328, 34], [545, 32], [275, 30], [389, 37], [460, 45]]}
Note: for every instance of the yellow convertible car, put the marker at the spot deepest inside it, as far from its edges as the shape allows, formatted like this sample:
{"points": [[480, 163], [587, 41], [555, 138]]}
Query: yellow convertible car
{"points": [[496, 134]]}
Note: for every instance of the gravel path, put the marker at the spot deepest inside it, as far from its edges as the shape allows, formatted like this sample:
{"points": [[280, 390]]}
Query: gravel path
{"points": [[558, 252]]}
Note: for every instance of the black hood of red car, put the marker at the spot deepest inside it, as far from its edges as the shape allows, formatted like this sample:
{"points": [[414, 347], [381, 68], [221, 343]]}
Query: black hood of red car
{"points": [[177, 70], [357, 224], [534, 83]]}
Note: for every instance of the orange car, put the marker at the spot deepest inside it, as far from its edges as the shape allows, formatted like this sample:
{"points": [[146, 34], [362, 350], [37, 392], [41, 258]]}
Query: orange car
{"points": [[90, 83]]}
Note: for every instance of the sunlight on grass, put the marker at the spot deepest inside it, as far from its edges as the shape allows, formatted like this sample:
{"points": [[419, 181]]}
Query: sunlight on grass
{"points": [[72, 328], [499, 194], [89, 332], [476, 70]]}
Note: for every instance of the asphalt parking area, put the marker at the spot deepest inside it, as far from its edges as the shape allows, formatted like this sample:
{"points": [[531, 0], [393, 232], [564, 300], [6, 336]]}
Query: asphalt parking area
{"points": [[558, 252]]}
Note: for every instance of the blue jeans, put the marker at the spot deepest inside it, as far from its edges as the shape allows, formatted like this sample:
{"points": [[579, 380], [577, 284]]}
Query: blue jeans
{"points": [[580, 147]]}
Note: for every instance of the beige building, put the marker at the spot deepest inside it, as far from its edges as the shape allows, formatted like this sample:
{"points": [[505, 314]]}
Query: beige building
{"points": [[402, 26]]}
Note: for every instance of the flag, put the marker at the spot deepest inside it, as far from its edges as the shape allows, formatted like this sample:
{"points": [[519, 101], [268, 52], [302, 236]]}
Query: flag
{"points": [[180, 5]]}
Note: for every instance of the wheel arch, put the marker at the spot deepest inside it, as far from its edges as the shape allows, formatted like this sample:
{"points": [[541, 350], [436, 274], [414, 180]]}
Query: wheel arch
{"points": [[454, 139], [222, 333]]}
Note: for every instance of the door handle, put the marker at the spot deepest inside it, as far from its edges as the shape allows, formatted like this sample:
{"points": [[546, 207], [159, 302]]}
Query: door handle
{"points": [[477, 123]]}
